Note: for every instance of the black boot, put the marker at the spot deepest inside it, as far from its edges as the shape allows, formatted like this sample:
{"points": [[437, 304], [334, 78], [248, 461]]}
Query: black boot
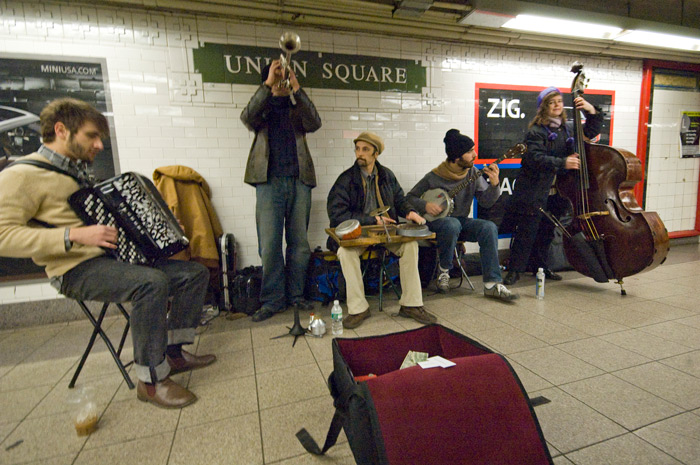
{"points": [[511, 278], [551, 275]]}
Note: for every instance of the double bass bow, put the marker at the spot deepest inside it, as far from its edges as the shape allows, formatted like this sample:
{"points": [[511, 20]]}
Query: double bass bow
{"points": [[610, 236]]}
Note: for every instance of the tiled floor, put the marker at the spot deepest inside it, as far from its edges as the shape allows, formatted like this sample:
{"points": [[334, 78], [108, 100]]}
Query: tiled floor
{"points": [[622, 374]]}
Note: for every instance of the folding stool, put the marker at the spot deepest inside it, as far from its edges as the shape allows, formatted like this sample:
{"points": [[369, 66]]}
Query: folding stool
{"points": [[97, 325]]}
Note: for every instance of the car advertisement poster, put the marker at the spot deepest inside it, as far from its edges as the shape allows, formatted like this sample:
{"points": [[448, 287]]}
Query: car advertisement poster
{"points": [[27, 84]]}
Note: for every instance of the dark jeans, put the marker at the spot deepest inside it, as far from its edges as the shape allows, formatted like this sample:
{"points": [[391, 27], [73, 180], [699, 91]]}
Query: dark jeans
{"points": [[148, 289], [449, 229], [283, 208], [533, 235]]}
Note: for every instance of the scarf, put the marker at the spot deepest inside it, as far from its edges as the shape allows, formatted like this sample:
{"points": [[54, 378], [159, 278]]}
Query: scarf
{"points": [[554, 123], [451, 171]]}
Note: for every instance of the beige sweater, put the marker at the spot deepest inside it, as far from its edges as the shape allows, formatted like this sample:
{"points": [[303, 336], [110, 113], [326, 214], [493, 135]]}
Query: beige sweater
{"points": [[31, 193]]}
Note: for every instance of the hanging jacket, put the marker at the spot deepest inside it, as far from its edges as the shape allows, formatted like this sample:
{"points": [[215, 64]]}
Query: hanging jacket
{"points": [[188, 196]]}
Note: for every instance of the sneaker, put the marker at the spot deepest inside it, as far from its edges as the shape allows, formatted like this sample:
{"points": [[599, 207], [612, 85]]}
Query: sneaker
{"points": [[417, 313], [263, 313], [499, 291], [443, 281]]}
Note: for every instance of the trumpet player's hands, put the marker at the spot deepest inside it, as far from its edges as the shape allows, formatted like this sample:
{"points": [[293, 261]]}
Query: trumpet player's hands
{"points": [[275, 74], [572, 162], [97, 235], [433, 208], [416, 218], [293, 81], [492, 172]]}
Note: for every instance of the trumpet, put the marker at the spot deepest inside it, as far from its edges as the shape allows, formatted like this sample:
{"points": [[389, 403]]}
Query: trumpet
{"points": [[290, 43]]}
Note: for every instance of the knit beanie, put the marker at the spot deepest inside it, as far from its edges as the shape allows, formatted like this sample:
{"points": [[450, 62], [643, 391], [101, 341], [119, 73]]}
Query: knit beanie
{"points": [[457, 144], [545, 93]]}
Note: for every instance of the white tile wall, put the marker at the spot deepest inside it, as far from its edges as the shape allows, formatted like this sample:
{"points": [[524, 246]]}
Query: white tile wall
{"points": [[165, 115], [672, 184]]}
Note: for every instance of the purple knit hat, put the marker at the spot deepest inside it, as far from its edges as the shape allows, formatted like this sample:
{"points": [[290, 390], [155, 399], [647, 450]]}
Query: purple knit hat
{"points": [[545, 93]]}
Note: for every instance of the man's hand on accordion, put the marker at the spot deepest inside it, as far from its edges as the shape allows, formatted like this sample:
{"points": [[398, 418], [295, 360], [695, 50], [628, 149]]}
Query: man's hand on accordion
{"points": [[98, 235]]}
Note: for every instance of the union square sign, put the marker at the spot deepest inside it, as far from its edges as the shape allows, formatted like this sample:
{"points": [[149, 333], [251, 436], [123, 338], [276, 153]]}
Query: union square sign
{"points": [[240, 64]]}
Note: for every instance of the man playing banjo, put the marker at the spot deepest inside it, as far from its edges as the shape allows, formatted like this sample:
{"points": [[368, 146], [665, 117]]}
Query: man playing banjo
{"points": [[449, 218]]}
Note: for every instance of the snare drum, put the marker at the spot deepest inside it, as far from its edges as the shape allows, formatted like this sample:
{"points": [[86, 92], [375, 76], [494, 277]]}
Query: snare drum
{"points": [[349, 229]]}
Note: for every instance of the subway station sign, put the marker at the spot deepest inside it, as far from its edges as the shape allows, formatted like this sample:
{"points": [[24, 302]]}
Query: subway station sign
{"points": [[240, 64]]}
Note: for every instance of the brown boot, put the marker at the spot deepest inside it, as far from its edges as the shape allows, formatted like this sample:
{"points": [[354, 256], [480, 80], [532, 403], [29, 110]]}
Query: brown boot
{"points": [[417, 313], [353, 321], [165, 394], [188, 362]]}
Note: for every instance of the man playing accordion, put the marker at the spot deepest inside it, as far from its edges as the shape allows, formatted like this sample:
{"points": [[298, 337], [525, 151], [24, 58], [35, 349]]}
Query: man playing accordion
{"points": [[36, 221]]}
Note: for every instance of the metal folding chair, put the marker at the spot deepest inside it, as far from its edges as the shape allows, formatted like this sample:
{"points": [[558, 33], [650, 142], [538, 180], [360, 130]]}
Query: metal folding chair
{"points": [[97, 325]]}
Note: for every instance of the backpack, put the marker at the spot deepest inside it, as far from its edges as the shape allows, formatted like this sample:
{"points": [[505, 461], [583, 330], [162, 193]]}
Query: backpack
{"points": [[324, 278], [245, 290]]}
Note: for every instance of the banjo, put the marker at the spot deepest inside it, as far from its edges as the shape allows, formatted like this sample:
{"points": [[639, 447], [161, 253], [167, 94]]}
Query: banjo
{"points": [[446, 199]]}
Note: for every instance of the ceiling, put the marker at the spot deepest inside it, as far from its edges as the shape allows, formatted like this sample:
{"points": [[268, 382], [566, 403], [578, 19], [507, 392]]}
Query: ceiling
{"points": [[439, 20]]}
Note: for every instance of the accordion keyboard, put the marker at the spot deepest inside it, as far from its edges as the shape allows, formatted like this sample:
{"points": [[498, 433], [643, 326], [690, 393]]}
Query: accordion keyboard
{"points": [[126, 250]]}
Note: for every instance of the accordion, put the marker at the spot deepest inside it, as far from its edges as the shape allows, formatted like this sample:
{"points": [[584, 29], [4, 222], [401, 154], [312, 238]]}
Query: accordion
{"points": [[147, 229]]}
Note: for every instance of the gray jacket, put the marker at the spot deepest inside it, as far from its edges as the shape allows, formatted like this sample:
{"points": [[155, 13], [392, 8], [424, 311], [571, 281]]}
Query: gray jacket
{"points": [[305, 119]]}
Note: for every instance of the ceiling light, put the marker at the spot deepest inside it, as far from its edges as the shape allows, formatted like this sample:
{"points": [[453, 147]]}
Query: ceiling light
{"points": [[485, 19], [562, 27], [657, 39]]}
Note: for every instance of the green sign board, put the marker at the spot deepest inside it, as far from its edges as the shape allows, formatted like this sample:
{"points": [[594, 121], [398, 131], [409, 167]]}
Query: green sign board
{"points": [[239, 64]]}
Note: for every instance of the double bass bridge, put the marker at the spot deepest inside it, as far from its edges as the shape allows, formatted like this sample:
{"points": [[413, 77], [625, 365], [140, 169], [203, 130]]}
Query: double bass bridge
{"points": [[589, 215]]}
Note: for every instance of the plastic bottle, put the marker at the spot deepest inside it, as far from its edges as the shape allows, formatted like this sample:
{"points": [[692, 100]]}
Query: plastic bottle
{"points": [[336, 319], [539, 285]]}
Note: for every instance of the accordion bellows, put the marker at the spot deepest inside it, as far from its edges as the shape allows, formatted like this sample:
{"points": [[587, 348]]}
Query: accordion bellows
{"points": [[147, 229]]}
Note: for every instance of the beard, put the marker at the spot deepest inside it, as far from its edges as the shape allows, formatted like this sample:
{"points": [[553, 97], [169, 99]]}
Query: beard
{"points": [[464, 164], [79, 152]]}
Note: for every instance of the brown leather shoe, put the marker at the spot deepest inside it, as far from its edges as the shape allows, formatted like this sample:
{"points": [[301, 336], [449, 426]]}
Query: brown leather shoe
{"points": [[417, 313], [165, 394], [188, 362], [353, 321]]}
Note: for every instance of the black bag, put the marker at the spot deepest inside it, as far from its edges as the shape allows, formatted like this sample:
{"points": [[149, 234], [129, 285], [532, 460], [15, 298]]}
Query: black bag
{"points": [[373, 266], [226, 245], [324, 278], [427, 260], [245, 290], [389, 415]]}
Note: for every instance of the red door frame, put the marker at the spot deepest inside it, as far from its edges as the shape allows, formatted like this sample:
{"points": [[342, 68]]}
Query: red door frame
{"points": [[643, 132]]}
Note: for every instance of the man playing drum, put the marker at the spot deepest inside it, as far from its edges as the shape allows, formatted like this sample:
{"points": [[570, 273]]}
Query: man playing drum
{"points": [[358, 191]]}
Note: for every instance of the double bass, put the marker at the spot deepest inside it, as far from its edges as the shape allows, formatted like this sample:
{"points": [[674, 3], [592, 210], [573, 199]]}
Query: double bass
{"points": [[610, 236]]}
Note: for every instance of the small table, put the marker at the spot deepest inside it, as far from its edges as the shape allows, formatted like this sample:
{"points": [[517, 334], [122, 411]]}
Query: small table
{"points": [[374, 237]]}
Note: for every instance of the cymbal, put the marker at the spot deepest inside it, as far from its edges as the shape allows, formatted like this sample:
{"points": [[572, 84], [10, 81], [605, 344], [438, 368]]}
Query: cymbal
{"points": [[380, 211]]}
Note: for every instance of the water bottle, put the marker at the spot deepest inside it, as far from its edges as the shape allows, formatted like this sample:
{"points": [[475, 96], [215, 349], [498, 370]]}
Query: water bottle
{"points": [[539, 285], [336, 319]]}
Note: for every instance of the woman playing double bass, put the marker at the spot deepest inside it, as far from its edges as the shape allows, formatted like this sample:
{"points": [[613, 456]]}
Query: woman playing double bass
{"points": [[550, 150]]}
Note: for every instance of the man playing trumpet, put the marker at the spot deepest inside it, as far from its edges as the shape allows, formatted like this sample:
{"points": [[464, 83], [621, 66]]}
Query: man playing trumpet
{"points": [[282, 171]]}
